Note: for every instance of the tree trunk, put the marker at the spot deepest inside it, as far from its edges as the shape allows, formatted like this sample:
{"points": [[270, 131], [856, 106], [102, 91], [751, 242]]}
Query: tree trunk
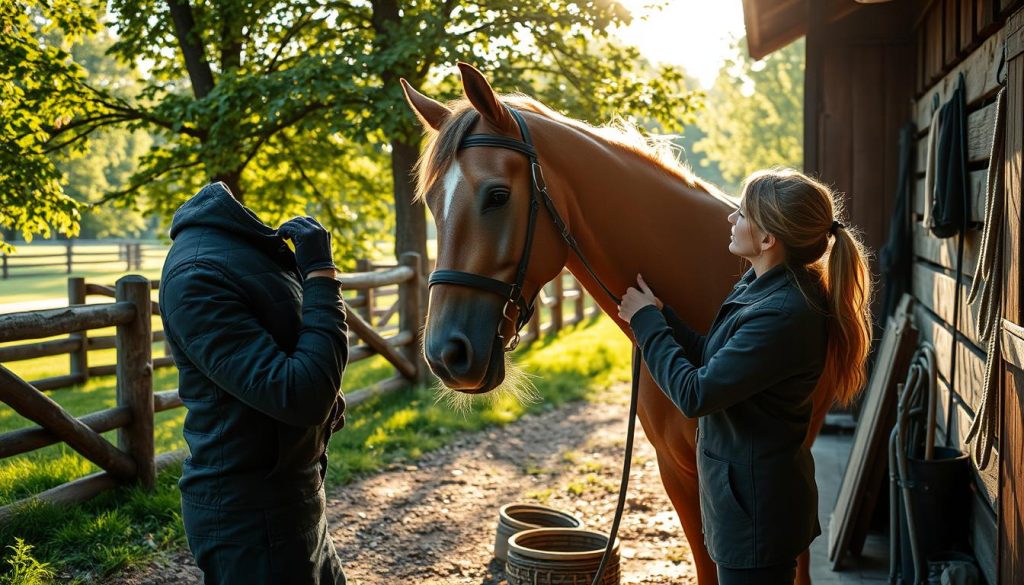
{"points": [[410, 217], [233, 180], [199, 72]]}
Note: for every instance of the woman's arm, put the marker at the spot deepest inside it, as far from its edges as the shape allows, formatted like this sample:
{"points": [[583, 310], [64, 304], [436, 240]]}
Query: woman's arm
{"points": [[755, 358], [692, 342]]}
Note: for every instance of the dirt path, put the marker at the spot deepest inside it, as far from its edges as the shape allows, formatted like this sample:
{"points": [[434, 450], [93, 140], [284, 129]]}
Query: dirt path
{"points": [[434, 522]]}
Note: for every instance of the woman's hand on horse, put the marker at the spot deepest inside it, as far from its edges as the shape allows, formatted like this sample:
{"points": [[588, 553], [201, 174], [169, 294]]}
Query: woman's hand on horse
{"points": [[634, 300]]}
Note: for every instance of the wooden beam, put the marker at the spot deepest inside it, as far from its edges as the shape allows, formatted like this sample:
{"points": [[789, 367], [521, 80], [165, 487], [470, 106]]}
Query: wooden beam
{"points": [[135, 378], [24, 440], [52, 322], [39, 408], [380, 345]]}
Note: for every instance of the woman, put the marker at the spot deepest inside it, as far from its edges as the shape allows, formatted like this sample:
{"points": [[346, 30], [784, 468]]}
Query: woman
{"points": [[800, 315]]}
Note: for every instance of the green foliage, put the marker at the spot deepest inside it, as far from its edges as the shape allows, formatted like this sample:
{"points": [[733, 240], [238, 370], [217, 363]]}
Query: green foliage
{"points": [[754, 118], [24, 570], [294, 104]]}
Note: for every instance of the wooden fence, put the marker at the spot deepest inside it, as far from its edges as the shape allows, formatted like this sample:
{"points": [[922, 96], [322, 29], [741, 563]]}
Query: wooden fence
{"points": [[377, 295], [77, 253]]}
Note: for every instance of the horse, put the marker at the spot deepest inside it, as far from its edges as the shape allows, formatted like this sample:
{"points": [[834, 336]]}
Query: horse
{"points": [[616, 207]]}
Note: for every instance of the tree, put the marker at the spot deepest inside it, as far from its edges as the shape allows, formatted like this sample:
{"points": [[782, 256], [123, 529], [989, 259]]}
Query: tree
{"points": [[754, 118], [295, 105]]}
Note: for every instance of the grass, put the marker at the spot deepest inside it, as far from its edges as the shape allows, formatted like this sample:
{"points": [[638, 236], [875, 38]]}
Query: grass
{"points": [[82, 544]]}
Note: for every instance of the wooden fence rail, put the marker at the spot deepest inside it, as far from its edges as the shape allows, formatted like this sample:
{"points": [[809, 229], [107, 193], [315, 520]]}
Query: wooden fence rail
{"points": [[133, 254], [370, 316]]}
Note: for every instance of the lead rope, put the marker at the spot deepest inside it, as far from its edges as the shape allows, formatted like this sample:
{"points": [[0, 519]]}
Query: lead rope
{"points": [[627, 459], [988, 284]]}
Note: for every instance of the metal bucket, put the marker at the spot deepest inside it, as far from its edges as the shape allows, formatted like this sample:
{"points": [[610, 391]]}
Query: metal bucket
{"points": [[554, 556], [513, 518]]}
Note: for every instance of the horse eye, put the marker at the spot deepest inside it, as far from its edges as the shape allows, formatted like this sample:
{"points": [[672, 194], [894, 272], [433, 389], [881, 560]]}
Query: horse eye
{"points": [[497, 197]]}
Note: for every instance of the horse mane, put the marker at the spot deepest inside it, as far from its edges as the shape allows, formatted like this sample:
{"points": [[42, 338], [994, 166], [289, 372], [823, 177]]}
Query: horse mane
{"points": [[443, 145]]}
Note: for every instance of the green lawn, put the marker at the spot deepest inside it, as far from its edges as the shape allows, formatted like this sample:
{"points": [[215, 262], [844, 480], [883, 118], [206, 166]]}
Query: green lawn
{"points": [[123, 528]]}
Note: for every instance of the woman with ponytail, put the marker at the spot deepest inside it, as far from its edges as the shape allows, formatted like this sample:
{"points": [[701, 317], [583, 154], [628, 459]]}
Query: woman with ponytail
{"points": [[798, 320]]}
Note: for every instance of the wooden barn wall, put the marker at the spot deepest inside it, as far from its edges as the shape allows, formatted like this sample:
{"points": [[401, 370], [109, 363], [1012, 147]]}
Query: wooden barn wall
{"points": [[1011, 509], [956, 37], [858, 94], [866, 76]]}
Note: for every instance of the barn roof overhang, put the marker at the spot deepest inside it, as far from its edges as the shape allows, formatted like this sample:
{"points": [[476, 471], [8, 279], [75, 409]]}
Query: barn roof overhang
{"points": [[773, 24]]}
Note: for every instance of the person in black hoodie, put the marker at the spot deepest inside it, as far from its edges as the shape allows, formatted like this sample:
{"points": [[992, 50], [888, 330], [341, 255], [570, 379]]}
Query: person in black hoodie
{"points": [[258, 334], [796, 323]]}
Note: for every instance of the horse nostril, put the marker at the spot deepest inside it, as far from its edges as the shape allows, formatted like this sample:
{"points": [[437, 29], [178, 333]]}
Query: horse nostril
{"points": [[457, 355]]}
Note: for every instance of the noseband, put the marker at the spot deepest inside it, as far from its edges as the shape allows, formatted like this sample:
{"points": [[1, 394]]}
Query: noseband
{"points": [[513, 293]]}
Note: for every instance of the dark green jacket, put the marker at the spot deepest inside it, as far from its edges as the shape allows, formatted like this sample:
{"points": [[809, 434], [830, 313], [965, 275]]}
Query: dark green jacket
{"points": [[260, 355], [750, 382]]}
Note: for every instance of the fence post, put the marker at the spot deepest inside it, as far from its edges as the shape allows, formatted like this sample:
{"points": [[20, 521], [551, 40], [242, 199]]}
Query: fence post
{"points": [[69, 253], [135, 377], [534, 325], [364, 265], [138, 256], [5, 264], [581, 307], [556, 307], [411, 312], [79, 357]]}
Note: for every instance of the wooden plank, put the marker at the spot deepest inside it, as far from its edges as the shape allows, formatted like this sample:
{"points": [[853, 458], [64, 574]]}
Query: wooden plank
{"points": [[166, 400], [28, 351], [1014, 36], [976, 180], [380, 345], [984, 19], [951, 33], [364, 280], [970, 361], [37, 407], [933, 61], [54, 382], [382, 388], [966, 25], [1012, 344], [24, 440], [858, 491], [936, 291], [943, 252], [980, 126], [363, 351], [979, 69], [868, 181], [53, 322], [1011, 509]]}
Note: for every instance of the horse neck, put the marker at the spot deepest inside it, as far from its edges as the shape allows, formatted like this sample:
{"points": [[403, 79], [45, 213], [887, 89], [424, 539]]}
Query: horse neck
{"points": [[630, 216]]}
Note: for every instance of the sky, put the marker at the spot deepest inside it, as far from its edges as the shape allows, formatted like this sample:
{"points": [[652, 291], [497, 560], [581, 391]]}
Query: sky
{"points": [[695, 34]]}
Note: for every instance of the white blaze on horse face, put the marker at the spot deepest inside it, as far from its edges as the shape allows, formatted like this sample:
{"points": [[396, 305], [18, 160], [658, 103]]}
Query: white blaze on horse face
{"points": [[451, 181]]}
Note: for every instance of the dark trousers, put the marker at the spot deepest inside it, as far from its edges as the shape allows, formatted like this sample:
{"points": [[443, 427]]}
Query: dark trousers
{"points": [[784, 574], [282, 545]]}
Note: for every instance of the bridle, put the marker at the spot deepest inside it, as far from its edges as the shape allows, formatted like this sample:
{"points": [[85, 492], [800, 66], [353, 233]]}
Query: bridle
{"points": [[513, 293]]}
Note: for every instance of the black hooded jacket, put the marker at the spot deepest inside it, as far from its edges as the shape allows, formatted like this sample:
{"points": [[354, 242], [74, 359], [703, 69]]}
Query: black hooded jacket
{"points": [[260, 354]]}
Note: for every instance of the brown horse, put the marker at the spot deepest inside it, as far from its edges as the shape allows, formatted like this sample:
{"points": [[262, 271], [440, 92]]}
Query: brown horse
{"points": [[629, 209]]}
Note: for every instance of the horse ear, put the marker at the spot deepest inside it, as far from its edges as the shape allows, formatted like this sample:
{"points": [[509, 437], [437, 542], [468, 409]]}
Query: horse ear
{"points": [[430, 112], [484, 99]]}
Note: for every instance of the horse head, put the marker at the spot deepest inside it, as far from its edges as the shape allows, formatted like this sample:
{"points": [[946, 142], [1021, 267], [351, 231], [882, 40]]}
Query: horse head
{"points": [[491, 263]]}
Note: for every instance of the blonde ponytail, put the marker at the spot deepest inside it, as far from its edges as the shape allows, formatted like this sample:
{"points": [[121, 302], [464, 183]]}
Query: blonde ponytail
{"points": [[802, 213]]}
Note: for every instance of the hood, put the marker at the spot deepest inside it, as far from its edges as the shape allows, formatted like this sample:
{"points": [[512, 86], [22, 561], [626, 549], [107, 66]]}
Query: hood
{"points": [[214, 207]]}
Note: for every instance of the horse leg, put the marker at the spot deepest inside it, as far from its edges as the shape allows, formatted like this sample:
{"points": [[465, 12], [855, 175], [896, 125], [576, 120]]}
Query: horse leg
{"points": [[673, 437], [679, 476]]}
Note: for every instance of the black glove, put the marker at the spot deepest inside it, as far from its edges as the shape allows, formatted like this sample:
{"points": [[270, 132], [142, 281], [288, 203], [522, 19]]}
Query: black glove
{"points": [[312, 244]]}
